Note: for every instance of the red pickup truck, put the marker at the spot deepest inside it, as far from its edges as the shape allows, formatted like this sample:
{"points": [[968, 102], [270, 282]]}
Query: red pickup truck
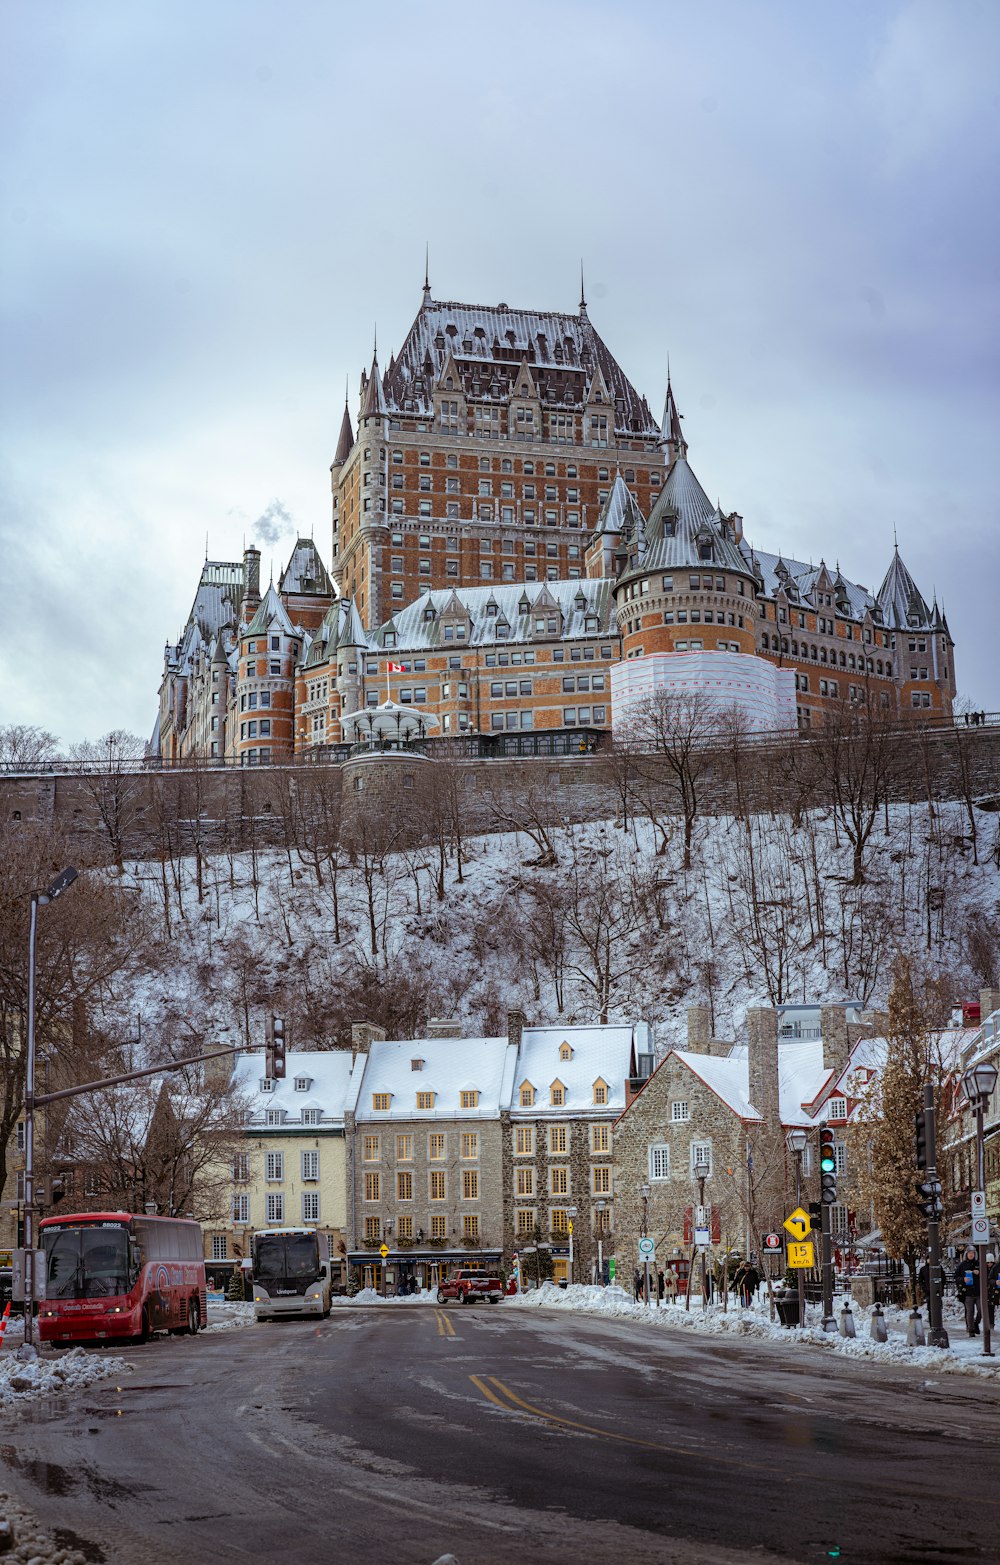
{"points": [[468, 1287]]}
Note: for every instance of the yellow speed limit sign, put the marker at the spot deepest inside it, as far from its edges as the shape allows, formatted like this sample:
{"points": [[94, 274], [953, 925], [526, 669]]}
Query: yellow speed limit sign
{"points": [[801, 1254]]}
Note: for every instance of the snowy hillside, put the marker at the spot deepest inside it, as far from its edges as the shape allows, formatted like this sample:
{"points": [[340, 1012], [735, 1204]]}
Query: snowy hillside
{"points": [[766, 914]]}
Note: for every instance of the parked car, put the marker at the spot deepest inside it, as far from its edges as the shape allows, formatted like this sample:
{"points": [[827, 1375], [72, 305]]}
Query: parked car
{"points": [[469, 1287]]}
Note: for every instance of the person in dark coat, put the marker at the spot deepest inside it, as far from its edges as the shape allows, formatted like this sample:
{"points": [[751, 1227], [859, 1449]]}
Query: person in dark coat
{"points": [[660, 1286], [993, 1289], [638, 1285], [924, 1280], [967, 1286]]}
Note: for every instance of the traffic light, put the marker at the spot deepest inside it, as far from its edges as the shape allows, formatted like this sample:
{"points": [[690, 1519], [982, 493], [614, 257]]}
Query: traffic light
{"points": [[57, 1189], [920, 1120], [816, 1214], [274, 1048], [827, 1167], [929, 1198]]}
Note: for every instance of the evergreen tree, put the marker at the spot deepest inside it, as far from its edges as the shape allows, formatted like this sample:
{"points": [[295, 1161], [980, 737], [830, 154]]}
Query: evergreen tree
{"points": [[235, 1292]]}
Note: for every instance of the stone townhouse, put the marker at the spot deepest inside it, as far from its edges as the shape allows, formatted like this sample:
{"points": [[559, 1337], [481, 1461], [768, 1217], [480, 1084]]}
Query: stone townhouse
{"points": [[568, 1090], [957, 1152], [292, 1172], [726, 1108], [426, 1156]]}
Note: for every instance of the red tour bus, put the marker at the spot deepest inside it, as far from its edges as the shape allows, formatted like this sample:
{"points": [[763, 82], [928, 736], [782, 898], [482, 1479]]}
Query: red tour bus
{"points": [[112, 1274]]}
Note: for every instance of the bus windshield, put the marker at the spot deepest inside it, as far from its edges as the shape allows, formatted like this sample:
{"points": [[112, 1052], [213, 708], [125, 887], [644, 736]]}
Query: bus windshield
{"points": [[86, 1262], [283, 1256]]}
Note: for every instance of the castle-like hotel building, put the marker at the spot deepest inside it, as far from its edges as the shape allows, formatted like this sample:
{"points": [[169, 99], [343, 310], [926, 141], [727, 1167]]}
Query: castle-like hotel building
{"points": [[519, 547]]}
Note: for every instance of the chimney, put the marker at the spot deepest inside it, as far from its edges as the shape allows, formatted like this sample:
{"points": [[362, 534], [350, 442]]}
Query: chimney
{"points": [[836, 1037], [363, 1035], [438, 1027], [699, 1029], [515, 1027], [251, 577], [989, 1001], [762, 1051]]}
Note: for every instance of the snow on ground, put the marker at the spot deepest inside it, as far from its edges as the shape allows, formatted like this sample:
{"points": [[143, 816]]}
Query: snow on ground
{"points": [[963, 1356], [225, 1314], [24, 1541], [71, 1370], [369, 1296]]}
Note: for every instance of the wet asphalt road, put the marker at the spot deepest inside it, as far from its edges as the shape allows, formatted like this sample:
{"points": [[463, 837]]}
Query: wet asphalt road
{"points": [[399, 1434]]}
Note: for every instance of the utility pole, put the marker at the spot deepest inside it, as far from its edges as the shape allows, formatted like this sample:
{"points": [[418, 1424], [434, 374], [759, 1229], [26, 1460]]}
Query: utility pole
{"points": [[930, 1190]]}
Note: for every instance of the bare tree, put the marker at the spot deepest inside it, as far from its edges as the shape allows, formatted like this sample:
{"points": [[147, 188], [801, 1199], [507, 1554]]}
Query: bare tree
{"points": [[672, 733], [24, 745], [857, 753], [112, 775]]}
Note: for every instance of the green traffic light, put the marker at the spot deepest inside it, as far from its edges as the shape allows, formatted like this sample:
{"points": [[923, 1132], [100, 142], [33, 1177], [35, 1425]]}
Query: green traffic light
{"points": [[827, 1165]]}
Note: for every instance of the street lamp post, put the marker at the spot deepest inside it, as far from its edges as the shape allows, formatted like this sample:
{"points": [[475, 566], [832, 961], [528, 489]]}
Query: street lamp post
{"points": [[571, 1213], [600, 1207], [701, 1172], [38, 899], [644, 1192], [978, 1083], [795, 1141]]}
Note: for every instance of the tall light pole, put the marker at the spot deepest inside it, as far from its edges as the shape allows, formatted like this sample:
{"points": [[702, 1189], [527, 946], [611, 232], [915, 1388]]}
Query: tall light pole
{"points": [[978, 1083], [795, 1141], [570, 1214], [701, 1172], [600, 1207], [38, 899], [644, 1192]]}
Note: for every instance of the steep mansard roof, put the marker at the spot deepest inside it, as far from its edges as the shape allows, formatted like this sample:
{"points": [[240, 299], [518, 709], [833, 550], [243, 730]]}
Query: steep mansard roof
{"points": [[903, 607], [620, 513], [489, 343], [216, 602], [341, 627], [516, 605], [776, 569], [682, 518], [305, 572]]}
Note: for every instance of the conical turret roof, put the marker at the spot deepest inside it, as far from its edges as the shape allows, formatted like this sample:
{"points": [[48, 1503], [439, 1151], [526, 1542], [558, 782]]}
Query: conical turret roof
{"points": [[345, 442], [903, 607], [373, 405]]}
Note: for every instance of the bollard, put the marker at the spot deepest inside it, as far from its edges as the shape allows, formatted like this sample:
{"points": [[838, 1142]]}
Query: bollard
{"points": [[5, 1322], [915, 1331], [847, 1320], [878, 1331]]}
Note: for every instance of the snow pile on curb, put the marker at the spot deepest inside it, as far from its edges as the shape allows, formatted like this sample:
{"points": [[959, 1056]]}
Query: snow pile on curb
{"points": [[961, 1358], [225, 1314], [44, 1377], [32, 1543], [369, 1296]]}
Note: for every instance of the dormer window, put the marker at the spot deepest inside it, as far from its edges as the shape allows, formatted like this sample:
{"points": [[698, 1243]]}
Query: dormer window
{"points": [[469, 1098], [565, 1052], [416, 1065], [303, 1083], [527, 1095], [425, 1100], [274, 1117], [557, 1095], [311, 1116], [390, 639], [266, 1084], [381, 1101], [600, 1091]]}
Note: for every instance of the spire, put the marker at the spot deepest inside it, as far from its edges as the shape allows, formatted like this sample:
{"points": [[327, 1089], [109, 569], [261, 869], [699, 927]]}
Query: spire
{"points": [[671, 434], [583, 296], [345, 441], [427, 274], [374, 405]]}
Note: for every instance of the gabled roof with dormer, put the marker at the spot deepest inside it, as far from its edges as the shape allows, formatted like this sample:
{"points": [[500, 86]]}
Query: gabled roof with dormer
{"points": [[903, 606], [620, 513], [305, 573], [682, 521], [418, 626], [271, 616]]}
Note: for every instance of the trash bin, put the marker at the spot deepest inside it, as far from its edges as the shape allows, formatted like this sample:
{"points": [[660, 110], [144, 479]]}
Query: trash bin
{"points": [[788, 1308]]}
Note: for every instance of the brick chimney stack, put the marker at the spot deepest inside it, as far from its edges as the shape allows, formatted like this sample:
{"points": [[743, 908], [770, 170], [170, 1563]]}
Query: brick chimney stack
{"points": [[699, 1029], [762, 1053], [363, 1035], [515, 1027]]}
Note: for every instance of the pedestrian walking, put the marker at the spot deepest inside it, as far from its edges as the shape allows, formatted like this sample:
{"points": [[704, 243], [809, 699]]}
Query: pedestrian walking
{"points": [[751, 1282], [993, 1288], [967, 1285], [670, 1284], [638, 1285], [661, 1287]]}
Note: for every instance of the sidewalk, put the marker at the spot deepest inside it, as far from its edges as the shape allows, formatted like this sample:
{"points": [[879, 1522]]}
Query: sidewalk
{"points": [[963, 1356]]}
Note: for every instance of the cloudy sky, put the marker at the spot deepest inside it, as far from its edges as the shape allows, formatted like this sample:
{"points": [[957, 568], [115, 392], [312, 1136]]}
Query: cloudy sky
{"points": [[206, 206]]}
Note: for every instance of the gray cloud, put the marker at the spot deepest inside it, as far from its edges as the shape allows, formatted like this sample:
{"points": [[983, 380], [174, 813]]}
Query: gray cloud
{"points": [[274, 524]]}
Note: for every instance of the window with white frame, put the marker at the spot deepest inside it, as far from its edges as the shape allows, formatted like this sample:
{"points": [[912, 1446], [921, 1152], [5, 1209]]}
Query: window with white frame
{"points": [[838, 1108], [310, 1206], [310, 1165], [241, 1208], [241, 1168], [220, 1247], [701, 1153], [840, 1157], [275, 1209], [275, 1167], [311, 1116], [678, 1111], [659, 1161]]}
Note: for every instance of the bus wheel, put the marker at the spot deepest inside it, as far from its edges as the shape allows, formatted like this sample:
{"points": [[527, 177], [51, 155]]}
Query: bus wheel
{"points": [[194, 1319], [145, 1332]]}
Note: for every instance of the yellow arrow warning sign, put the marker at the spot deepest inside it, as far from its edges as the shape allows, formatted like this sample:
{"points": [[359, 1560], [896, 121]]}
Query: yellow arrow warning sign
{"points": [[798, 1223]]}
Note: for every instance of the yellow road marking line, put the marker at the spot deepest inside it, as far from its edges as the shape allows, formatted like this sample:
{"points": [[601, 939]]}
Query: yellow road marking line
{"points": [[570, 1423], [445, 1327]]}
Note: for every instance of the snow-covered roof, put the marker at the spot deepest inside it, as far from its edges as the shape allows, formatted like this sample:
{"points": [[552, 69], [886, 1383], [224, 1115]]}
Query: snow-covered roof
{"points": [[512, 606], [804, 579], [450, 1066], [388, 720], [903, 606], [599, 1054], [329, 1073], [801, 1078], [271, 615]]}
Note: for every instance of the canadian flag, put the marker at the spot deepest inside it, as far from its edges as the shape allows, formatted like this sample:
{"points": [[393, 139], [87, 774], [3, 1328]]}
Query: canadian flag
{"points": [[397, 668]]}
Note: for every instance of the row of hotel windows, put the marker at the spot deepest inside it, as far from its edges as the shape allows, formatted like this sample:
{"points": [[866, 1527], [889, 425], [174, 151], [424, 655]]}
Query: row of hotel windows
{"points": [[641, 589], [506, 465], [820, 655], [524, 1183], [699, 616], [524, 1143], [438, 1227], [274, 1210], [486, 546]]}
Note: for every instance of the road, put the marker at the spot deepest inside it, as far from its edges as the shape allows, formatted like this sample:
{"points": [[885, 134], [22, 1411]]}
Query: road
{"points": [[398, 1434]]}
